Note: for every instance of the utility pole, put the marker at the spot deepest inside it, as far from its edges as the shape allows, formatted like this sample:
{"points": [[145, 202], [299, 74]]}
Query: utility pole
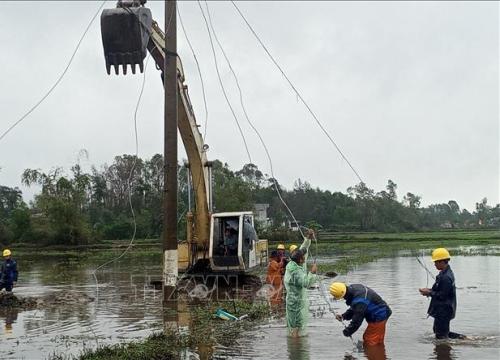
{"points": [[170, 269]]}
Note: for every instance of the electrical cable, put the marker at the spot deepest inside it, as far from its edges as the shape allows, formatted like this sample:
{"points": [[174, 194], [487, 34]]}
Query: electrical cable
{"points": [[129, 187], [297, 93], [58, 79], [278, 192], [199, 73], [427, 271], [221, 83]]}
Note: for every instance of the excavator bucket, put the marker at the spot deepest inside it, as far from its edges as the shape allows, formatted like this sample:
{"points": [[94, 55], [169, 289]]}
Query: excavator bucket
{"points": [[125, 36]]}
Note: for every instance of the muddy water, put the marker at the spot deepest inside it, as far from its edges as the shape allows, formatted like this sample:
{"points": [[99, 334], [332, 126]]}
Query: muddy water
{"points": [[128, 308], [409, 333]]}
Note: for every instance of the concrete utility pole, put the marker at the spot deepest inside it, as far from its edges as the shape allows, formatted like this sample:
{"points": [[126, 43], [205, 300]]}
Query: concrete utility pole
{"points": [[170, 269]]}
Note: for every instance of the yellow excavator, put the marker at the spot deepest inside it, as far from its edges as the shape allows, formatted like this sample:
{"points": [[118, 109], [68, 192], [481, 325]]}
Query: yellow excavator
{"points": [[218, 242]]}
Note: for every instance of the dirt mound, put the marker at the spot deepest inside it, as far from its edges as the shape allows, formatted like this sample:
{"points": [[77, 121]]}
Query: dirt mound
{"points": [[65, 298], [12, 301], [61, 298]]}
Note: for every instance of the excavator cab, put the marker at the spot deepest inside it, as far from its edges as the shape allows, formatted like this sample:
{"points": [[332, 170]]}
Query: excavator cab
{"points": [[125, 33], [233, 242]]}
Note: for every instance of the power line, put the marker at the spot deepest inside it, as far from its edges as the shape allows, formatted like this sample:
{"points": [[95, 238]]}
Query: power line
{"points": [[58, 79], [222, 85], [276, 187], [129, 187], [199, 73], [297, 92]]}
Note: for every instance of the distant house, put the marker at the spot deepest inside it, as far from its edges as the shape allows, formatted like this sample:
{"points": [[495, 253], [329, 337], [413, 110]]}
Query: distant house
{"points": [[294, 225], [260, 212], [446, 225]]}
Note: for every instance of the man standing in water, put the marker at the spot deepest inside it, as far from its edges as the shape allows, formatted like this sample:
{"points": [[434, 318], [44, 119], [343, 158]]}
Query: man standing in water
{"points": [[443, 296], [297, 280], [8, 272]]}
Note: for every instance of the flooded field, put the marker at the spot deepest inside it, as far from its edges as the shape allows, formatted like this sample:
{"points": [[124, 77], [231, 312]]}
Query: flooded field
{"points": [[409, 331], [75, 316]]}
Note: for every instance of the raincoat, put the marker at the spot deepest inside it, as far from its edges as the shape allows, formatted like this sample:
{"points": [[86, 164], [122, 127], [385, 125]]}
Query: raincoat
{"points": [[8, 274], [297, 280], [274, 278]]}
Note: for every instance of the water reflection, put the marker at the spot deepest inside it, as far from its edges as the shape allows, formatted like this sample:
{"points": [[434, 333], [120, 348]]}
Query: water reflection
{"points": [[10, 318], [376, 352], [298, 348], [443, 351]]}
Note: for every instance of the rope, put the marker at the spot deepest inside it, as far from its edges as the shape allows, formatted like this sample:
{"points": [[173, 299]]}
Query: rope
{"points": [[58, 80], [332, 310], [427, 271]]}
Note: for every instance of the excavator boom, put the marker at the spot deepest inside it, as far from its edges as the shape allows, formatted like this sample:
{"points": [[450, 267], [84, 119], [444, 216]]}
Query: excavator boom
{"points": [[128, 31]]}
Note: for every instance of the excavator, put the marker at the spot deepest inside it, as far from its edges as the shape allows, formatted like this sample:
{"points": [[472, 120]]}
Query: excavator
{"points": [[225, 242]]}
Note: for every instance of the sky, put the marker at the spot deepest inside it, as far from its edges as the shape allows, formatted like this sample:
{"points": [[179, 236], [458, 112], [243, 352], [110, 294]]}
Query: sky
{"points": [[408, 90]]}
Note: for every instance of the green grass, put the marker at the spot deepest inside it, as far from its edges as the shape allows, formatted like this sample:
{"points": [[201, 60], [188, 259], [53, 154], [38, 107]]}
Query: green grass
{"points": [[355, 253]]}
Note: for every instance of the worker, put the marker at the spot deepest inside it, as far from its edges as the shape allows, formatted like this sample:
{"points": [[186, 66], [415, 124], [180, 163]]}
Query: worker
{"points": [[274, 278], [230, 241], [364, 303], [292, 248], [443, 296], [281, 250], [8, 272], [297, 281], [282, 258]]}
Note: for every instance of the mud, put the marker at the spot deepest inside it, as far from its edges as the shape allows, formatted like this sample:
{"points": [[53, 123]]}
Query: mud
{"points": [[62, 298], [10, 301]]}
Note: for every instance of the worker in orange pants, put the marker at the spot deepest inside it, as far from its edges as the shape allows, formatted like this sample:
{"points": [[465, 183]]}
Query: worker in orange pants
{"points": [[364, 303], [274, 278]]}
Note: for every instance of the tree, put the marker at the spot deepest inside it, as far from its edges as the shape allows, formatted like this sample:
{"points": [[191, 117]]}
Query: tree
{"points": [[60, 202], [412, 200], [364, 199]]}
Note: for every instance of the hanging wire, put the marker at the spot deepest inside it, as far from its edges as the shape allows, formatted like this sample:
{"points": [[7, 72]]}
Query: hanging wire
{"points": [[221, 83], [233, 72], [427, 271], [199, 73], [58, 80], [129, 186], [297, 93]]}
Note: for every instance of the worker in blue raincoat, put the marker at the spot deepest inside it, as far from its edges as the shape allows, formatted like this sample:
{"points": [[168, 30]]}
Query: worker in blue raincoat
{"points": [[8, 271], [297, 281]]}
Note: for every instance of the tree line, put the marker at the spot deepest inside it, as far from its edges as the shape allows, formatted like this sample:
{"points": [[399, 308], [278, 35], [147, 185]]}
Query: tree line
{"points": [[78, 207]]}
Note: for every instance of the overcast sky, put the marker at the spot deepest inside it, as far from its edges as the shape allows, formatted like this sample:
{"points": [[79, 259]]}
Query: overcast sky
{"points": [[410, 92]]}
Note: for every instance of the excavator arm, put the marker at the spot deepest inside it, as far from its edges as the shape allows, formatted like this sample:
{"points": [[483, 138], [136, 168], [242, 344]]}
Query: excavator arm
{"points": [[127, 32], [193, 142]]}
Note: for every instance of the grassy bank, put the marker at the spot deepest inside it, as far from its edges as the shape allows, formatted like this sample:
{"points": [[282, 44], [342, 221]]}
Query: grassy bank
{"points": [[347, 256]]}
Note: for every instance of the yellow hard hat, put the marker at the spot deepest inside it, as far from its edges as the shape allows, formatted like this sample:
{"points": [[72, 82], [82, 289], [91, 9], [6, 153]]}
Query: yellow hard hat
{"points": [[281, 247], [6, 252], [338, 290], [293, 248], [440, 254]]}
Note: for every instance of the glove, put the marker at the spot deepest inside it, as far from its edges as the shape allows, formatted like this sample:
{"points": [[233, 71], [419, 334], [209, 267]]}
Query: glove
{"points": [[346, 333]]}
